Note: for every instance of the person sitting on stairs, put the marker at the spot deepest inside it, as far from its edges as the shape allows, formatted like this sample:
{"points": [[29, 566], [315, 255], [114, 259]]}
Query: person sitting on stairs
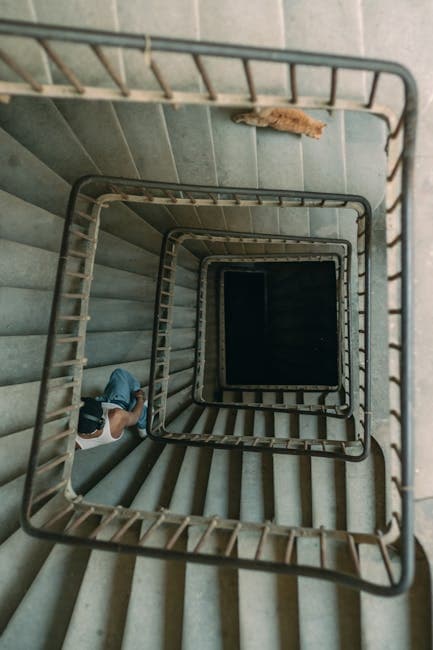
{"points": [[102, 419]]}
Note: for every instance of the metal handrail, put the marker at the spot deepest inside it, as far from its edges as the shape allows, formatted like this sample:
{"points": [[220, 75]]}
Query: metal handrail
{"points": [[159, 372], [142, 189], [96, 40], [400, 149]]}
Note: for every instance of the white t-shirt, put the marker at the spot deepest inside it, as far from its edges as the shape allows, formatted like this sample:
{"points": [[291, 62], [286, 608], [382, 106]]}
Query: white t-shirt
{"points": [[105, 438]]}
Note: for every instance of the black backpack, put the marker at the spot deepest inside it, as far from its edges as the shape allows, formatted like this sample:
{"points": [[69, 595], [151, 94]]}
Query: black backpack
{"points": [[90, 416]]}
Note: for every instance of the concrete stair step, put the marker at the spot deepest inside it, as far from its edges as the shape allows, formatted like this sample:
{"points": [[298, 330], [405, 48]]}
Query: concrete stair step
{"points": [[211, 595], [21, 558], [24, 266], [29, 54], [260, 620], [89, 122], [15, 449], [299, 35], [326, 608], [11, 496], [179, 69], [190, 136], [94, 622], [17, 305], [328, 493], [235, 151], [318, 602], [43, 614], [150, 148], [366, 487], [57, 138], [311, 426], [152, 577], [120, 485], [264, 27], [18, 419], [30, 179], [365, 139], [211, 591], [40, 228], [389, 615], [221, 425], [92, 465], [147, 590], [323, 160], [187, 498], [81, 59]]}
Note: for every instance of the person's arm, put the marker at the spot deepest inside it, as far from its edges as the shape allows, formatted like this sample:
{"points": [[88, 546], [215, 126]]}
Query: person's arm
{"points": [[119, 419], [134, 415]]}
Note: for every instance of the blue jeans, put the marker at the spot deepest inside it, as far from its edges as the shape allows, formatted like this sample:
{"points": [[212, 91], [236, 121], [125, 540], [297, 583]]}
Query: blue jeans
{"points": [[120, 389]]}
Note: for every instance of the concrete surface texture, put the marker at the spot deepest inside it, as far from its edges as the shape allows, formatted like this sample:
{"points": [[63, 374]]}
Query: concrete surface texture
{"points": [[60, 597]]}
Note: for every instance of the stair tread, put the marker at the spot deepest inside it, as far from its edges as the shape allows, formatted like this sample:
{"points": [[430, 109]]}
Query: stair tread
{"points": [[30, 179], [88, 121], [57, 136], [94, 622]]}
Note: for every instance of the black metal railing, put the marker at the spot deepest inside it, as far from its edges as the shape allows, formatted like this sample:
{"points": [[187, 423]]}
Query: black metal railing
{"points": [[159, 387], [143, 192], [400, 116]]}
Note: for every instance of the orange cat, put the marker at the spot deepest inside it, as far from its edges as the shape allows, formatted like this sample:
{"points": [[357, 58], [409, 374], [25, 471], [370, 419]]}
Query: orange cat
{"points": [[283, 119]]}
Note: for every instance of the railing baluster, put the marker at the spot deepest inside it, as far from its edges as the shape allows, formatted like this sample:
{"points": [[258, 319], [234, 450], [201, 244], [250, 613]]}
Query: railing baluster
{"points": [[99, 52], [58, 515], [64, 69], [373, 90], [171, 196], [57, 436], [168, 93], [104, 523], [354, 554], [191, 198], [13, 65], [204, 75], [385, 557], [232, 539], [333, 94], [212, 524], [394, 241], [77, 522], [400, 123], [250, 80], [262, 541], [125, 527], [322, 548], [156, 524], [148, 194], [178, 532], [395, 168], [293, 84], [41, 469], [394, 205], [289, 547]]}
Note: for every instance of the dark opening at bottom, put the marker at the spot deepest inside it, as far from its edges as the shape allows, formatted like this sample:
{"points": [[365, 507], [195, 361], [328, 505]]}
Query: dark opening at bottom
{"points": [[281, 324]]}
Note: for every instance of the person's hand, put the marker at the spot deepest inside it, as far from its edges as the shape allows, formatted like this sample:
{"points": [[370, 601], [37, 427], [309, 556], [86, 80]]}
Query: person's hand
{"points": [[139, 394]]}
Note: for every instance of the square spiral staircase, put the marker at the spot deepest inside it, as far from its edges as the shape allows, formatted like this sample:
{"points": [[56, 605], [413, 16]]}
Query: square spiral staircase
{"points": [[224, 429]]}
